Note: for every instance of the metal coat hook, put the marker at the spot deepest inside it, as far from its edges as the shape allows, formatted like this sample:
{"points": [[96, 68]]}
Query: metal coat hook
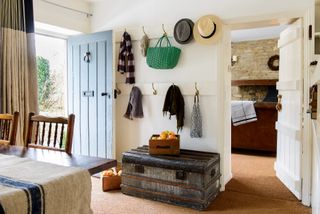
{"points": [[143, 30], [164, 31], [196, 88], [118, 90], [154, 90]]}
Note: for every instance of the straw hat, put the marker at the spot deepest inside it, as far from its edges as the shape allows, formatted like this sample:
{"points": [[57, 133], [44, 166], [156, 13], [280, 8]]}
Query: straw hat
{"points": [[183, 31], [207, 30]]}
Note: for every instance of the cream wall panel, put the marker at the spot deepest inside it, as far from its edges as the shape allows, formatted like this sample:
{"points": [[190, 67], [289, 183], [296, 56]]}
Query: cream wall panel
{"points": [[111, 14], [197, 63], [53, 15]]}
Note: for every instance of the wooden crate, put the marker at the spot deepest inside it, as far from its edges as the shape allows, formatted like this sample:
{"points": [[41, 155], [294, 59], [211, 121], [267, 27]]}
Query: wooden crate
{"points": [[111, 183], [164, 147], [191, 179]]}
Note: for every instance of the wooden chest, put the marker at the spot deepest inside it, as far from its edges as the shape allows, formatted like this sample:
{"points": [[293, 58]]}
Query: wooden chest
{"points": [[191, 179]]}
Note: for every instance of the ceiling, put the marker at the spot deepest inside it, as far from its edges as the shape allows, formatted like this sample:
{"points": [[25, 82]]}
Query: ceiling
{"points": [[257, 33]]}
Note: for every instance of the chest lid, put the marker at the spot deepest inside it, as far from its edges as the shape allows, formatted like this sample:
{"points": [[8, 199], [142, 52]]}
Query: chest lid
{"points": [[188, 160]]}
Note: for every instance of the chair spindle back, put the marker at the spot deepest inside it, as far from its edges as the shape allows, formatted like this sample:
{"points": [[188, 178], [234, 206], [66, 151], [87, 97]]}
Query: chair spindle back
{"points": [[8, 128], [54, 133]]}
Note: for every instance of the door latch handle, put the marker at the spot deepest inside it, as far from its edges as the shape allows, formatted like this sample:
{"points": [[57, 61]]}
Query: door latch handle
{"points": [[88, 93], [86, 57], [105, 94], [279, 104], [313, 102]]}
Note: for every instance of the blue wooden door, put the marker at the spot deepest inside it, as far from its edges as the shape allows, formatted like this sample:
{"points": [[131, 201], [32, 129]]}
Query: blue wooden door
{"points": [[90, 93]]}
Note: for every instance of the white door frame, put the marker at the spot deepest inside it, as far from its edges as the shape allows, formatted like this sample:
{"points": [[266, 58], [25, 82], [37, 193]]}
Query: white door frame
{"points": [[269, 20]]}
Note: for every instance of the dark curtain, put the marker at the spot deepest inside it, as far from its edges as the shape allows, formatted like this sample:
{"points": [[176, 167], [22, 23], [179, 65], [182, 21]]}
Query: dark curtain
{"points": [[18, 75]]}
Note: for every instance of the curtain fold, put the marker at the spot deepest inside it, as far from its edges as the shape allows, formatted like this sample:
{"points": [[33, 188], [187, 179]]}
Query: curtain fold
{"points": [[18, 75]]}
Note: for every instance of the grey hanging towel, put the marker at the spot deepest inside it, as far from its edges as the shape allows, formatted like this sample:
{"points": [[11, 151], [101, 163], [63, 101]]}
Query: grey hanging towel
{"points": [[126, 58], [196, 120], [134, 108], [174, 104]]}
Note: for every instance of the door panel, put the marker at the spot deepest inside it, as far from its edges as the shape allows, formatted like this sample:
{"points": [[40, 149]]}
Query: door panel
{"points": [[87, 81], [74, 92], [92, 105], [84, 110], [289, 124]]}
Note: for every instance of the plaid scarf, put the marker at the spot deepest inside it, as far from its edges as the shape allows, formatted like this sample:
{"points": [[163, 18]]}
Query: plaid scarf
{"points": [[126, 59]]}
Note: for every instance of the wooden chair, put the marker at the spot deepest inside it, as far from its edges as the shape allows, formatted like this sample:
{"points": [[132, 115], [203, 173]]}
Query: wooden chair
{"points": [[8, 128], [50, 132]]}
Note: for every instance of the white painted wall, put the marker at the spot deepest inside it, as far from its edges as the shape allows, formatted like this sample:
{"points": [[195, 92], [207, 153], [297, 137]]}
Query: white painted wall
{"points": [[315, 202], [254, 34], [109, 14], [316, 159], [197, 64], [314, 78], [53, 15], [316, 169]]}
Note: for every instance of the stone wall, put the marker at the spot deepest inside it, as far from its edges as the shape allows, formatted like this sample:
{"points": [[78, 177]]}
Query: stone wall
{"points": [[252, 63]]}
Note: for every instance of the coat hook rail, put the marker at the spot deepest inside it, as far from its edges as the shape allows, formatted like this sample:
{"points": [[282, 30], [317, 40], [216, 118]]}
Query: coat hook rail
{"points": [[161, 88]]}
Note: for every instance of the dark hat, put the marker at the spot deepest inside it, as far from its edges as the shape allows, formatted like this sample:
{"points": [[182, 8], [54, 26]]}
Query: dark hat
{"points": [[183, 31]]}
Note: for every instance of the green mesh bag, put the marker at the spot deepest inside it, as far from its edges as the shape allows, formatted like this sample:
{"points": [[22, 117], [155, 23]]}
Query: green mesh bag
{"points": [[163, 57]]}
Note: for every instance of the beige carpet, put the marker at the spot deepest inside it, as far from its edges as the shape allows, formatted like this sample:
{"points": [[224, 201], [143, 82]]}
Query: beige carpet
{"points": [[254, 189]]}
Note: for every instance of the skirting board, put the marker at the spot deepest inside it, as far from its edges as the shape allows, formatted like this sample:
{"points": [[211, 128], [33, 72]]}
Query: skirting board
{"points": [[226, 180]]}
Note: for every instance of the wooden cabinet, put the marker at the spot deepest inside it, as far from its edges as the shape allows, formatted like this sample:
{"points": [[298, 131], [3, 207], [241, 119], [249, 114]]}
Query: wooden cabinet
{"points": [[259, 135]]}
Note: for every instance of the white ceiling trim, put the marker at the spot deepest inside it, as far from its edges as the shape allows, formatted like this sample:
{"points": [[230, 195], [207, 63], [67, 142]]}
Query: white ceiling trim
{"points": [[257, 33]]}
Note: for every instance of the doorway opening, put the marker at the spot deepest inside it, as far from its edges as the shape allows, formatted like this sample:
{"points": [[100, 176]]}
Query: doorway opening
{"points": [[51, 53], [255, 87], [52, 73]]}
